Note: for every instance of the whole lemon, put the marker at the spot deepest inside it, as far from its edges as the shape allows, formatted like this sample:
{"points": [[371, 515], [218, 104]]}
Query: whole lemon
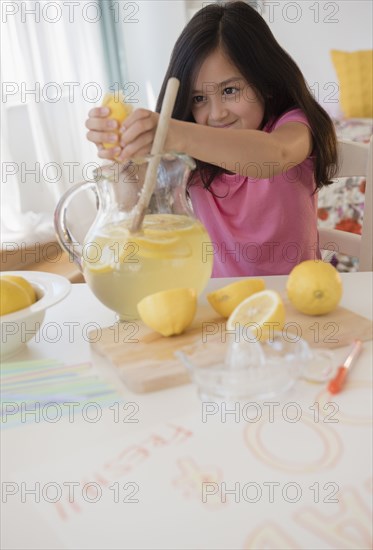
{"points": [[314, 287], [13, 297]]}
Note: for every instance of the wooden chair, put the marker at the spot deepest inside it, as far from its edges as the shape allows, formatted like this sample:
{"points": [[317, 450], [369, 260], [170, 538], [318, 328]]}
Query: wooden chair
{"points": [[355, 159]]}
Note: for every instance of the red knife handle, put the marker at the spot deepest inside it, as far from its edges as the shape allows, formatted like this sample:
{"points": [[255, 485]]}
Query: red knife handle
{"points": [[336, 384]]}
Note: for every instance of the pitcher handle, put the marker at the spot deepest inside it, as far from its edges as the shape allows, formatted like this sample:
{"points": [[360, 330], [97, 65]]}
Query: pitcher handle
{"points": [[65, 237]]}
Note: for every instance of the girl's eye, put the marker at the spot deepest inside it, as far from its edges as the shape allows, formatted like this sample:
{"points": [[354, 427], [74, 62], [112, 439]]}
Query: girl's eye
{"points": [[231, 90], [198, 99]]}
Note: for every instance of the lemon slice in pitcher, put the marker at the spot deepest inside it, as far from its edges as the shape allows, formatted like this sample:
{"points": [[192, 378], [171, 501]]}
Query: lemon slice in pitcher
{"points": [[99, 257], [162, 248], [167, 222]]}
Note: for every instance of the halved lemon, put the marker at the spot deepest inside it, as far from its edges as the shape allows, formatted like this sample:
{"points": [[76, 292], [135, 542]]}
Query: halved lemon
{"points": [[263, 312], [226, 299], [169, 312]]}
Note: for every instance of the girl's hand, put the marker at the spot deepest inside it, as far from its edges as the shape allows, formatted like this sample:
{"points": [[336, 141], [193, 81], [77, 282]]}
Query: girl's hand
{"points": [[138, 131], [103, 130]]}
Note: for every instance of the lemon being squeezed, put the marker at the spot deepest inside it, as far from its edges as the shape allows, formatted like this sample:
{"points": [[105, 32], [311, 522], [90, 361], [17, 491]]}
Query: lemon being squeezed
{"points": [[119, 111]]}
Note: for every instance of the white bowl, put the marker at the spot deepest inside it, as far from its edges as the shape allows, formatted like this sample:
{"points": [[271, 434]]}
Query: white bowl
{"points": [[17, 328]]}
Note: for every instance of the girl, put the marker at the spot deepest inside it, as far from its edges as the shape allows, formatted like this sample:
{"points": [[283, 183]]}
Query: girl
{"points": [[262, 144]]}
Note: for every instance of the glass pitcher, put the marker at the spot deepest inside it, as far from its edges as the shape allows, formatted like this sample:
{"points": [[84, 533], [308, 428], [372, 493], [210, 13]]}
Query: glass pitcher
{"points": [[168, 251]]}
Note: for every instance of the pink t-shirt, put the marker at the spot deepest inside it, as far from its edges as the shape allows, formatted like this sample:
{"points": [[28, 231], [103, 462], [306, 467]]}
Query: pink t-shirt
{"points": [[260, 226]]}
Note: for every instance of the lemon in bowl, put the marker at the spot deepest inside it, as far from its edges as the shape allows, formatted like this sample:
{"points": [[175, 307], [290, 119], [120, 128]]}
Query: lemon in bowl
{"points": [[15, 293], [24, 298]]}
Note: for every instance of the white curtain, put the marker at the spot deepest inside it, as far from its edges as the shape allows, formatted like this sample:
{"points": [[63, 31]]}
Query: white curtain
{"points": [[52, 72]]}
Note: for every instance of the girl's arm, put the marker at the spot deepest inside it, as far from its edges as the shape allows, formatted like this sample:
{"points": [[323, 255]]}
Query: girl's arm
{"points": [[252, 153]]}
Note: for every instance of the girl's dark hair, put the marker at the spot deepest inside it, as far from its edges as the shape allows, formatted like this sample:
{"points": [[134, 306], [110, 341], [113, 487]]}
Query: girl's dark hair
{"points": [[248, 42]]}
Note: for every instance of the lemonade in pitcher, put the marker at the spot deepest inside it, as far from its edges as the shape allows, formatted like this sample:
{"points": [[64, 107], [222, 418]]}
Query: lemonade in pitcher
{"points": [[123, 264], [121, 268]]}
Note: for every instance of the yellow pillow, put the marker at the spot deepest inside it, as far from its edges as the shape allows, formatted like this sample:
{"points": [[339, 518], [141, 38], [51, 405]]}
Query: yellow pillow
{"points": [[355, 75]]}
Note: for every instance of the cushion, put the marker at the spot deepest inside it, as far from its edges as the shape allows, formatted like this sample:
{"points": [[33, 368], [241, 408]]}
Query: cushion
{"points": [[355, 75]]}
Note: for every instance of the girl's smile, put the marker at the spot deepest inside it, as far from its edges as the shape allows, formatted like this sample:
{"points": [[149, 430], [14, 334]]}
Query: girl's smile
{"points": [[222, 98]]}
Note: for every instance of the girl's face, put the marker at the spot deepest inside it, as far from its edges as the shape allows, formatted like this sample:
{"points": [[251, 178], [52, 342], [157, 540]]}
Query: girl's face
{"points": [[222, 98]]}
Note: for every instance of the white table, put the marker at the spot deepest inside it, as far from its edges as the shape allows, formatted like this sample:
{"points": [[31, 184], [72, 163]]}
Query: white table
{"points": [[296, 484]]}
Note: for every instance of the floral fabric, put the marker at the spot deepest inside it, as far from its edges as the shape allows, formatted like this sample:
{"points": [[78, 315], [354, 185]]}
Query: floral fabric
{"points": [[341, 205]]}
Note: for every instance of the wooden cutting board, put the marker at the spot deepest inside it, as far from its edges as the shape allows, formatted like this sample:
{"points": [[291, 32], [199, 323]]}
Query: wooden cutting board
{"points": [[147, 362]]}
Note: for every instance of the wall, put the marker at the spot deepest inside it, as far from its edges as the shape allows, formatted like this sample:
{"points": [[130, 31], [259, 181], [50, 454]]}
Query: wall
{"points": [[149, 35], [308, 30]]}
